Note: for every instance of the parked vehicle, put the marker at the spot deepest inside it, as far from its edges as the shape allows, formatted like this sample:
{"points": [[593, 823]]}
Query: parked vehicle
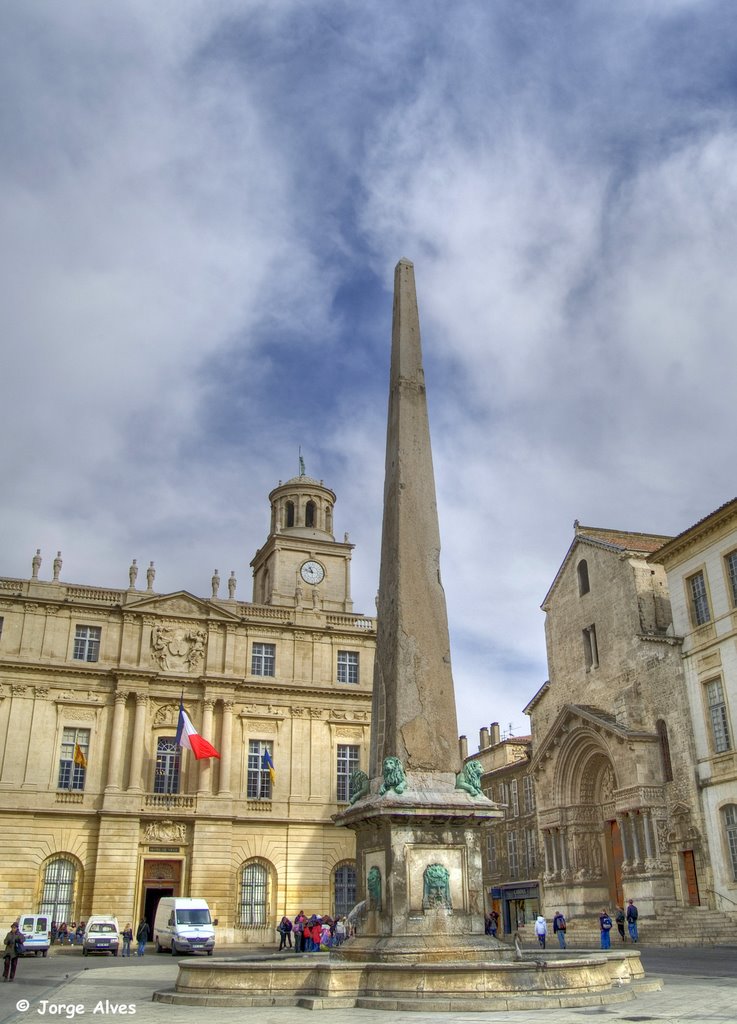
{"points": [[37, 931], [183, 925], [101, 935]]}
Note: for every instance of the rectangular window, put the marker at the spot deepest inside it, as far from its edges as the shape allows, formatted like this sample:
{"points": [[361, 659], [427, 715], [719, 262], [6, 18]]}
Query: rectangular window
{"points": [[531, 849], [512, 854], [258, 784], [347, 666], [348, 761], [528, 784], [168, 765], [491, 856], [718, 715], [87, 643], [263, 660], [731, 561], [699, 599], [590, 648], [75, 745], [504, 797], [514, 798]]}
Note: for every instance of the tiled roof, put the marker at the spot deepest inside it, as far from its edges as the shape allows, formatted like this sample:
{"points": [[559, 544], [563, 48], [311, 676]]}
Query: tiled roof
{"points": [[623, 539]]}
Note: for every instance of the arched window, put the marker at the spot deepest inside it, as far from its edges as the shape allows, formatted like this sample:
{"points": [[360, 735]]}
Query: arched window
{"points": [[729, 814], [662, 730], [289, 514], [254, 900], [57, 893], [168, 765], [583, 577], [344, 897], [310, 513]]}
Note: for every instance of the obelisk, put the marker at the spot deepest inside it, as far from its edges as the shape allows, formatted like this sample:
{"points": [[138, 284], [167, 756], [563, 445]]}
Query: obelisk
{"points": [[418, 813], [414, 712]]}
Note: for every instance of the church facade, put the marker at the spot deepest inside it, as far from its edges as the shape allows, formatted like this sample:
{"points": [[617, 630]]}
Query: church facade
{"points": [[613, 752], [102, 811]]}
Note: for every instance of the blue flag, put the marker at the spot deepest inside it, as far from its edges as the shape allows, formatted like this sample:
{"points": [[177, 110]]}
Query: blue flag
{"points": [[268, 764]]}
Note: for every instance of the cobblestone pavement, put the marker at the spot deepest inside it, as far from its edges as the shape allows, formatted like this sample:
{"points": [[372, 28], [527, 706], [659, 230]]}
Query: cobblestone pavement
{"points": [[126, 988]]}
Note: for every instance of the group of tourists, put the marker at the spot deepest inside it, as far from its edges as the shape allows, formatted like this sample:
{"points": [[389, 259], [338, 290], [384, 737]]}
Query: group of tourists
{"points": [[622, 917], [66, 934], [559, 929], [312, 934]]}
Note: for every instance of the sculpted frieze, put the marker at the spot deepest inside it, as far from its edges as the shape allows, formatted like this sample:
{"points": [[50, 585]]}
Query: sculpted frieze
{"points": [[165, 832], [166, 714], [177, 647]]}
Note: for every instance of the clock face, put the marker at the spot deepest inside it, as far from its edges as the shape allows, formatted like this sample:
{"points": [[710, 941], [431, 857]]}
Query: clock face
{"points": [[312, 572]]}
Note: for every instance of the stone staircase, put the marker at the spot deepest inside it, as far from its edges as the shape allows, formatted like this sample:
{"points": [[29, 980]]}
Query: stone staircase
{"points": [[674, 926], [696, 926]]}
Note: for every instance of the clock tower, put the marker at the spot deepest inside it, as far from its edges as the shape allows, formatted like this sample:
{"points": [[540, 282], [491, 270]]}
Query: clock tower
{"points": [[301, 564]]}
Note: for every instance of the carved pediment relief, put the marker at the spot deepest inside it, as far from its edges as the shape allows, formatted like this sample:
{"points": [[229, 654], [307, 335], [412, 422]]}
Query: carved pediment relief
{"points": [[595, 721], [182, 604]]}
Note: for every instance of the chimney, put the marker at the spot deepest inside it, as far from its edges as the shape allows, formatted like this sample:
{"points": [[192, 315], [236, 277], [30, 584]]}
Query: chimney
{"points": [[483, 738], [494, 733], [463, 747]]}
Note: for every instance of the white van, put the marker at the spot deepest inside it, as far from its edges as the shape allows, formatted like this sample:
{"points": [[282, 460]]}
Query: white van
{"points": [[101, 935], [36, 929], [183, 924]]}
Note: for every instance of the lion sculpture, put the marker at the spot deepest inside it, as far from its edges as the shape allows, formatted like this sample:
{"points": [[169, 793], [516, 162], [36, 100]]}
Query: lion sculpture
{"points": [[394, 777], [358, 785], [469, 779]]}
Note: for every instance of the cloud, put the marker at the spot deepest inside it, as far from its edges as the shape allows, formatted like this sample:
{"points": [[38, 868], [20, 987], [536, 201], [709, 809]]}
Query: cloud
{"points": [[202, 206]]}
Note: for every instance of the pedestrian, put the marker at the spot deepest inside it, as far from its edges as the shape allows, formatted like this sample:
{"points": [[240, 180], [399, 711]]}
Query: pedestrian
{"points": [[605, 926], [13, 949], [632, 916], [541, 930], [559, 929], [285, 931], [619, 918], [340, 931], [127, 936], [142, 936], [79, 934], [297, 928]]}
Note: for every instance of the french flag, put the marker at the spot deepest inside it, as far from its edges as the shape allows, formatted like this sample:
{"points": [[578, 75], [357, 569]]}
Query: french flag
{"points": [[187, 736]]}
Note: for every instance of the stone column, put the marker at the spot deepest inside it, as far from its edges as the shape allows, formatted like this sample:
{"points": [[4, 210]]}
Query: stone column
{"points": [[646, 830], [546, 850], [115, 761], [622, 822], [226, 744], [554, 848], [204, 776], [139, 724], [563, 850], [635, 838]]}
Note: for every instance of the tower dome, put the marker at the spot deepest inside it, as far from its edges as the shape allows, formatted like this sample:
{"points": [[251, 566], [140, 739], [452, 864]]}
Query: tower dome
{"points": [[303, 507]]}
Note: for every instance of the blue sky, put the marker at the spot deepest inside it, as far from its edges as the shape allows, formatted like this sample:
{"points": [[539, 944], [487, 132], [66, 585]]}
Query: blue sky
{"points": [[202, 204]]}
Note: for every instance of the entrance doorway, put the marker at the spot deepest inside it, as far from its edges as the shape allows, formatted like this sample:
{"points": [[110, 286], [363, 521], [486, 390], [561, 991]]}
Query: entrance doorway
{"points": [[151, 902], [692, 881], [615, 856], [160, 878]]}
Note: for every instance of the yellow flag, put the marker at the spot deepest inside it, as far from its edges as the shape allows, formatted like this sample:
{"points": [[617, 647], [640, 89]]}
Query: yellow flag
{"points": [[79, 758]]}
